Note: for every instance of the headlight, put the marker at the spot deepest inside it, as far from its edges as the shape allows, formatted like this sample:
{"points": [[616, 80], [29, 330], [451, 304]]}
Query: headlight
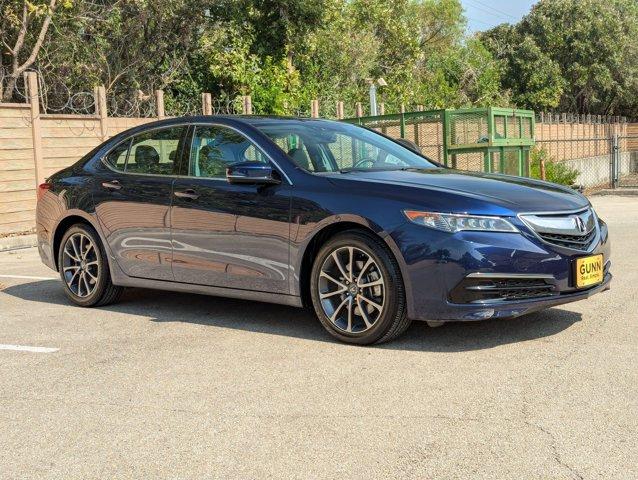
{"points": [[450, 222]]}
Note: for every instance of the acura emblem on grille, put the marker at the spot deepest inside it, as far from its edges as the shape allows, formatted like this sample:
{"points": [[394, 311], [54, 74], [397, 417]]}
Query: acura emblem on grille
{"points": [[576, 231], [580, 224]]}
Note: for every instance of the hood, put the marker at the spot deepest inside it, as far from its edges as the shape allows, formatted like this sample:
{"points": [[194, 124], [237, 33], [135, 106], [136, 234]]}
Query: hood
{"points": [[512, 194]]}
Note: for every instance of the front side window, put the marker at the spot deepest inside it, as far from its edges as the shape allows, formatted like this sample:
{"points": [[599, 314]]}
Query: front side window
{"points": [[155, 152], [214, 148], [320, 146]]}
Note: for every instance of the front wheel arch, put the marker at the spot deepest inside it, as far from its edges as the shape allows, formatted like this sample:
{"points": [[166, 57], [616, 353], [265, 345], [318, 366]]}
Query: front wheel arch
{"points": [[390, 301], [324, 235]]}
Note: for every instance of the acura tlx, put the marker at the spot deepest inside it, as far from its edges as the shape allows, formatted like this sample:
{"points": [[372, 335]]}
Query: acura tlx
{"points": [[363, 229]]}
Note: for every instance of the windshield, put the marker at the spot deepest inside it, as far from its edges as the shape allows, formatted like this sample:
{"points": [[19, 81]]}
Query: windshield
{"points": [[320, 146]]}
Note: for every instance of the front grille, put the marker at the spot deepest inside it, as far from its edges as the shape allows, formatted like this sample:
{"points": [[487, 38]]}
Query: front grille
{"points": [[488, 288], [576, 242], [577, 231]]}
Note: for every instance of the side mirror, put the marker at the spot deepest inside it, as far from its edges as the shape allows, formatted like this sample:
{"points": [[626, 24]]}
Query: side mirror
{"points": [[255, 173], [408, 144]]}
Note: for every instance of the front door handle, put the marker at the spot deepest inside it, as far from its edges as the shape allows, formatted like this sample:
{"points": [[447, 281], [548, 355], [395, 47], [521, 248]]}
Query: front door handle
{"points": [[188, 194], [112, 185]]}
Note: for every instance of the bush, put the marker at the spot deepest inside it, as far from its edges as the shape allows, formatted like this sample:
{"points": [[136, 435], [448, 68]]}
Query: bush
{"points": [[557, 172]]}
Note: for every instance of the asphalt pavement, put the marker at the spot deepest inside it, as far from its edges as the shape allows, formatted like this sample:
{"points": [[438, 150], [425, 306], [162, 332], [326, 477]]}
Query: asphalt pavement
{"points": [[176, 386]]}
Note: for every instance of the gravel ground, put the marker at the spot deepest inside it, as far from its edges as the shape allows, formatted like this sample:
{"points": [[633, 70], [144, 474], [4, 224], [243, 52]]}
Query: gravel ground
{"points": [[178, 386]]}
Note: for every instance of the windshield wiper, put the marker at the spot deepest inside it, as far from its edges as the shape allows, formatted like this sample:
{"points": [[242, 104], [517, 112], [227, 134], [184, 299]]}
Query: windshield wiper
{"points": [[400, 169]]}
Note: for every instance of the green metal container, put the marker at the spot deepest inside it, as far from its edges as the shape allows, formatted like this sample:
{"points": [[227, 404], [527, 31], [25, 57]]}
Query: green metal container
{"points": [[477, 139]]}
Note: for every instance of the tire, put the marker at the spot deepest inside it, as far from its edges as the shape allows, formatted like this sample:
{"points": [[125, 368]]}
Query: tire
{"points": [[84, 268], [357, 290]]}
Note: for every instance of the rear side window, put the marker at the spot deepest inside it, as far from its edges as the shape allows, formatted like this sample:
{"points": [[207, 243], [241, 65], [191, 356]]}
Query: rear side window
{"points": [[155, 152], [117, 157]]}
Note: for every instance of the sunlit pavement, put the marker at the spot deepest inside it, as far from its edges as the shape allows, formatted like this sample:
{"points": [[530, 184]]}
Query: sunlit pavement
{"points": [[167, 385]]}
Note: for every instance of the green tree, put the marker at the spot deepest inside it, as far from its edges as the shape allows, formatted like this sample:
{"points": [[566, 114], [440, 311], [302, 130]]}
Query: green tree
{"points": [[533, 78], [24, 29], [574, 55]]}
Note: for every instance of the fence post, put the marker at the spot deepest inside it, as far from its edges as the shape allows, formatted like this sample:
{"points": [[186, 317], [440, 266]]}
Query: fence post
{"points": [[358, 109], [615, 159], [101, 111], [382, 108], [34, 101], [340, 114], [247, 106], [207, 103], [314, 108], [159, 104]]}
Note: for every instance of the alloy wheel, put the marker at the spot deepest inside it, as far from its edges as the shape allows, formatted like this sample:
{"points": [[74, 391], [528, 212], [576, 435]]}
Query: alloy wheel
{"points": [[80, 265], [351, 289]]}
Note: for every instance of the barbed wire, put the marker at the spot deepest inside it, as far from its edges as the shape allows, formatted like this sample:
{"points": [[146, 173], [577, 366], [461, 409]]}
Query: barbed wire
{"points": [[227, 106], [131, 104]]}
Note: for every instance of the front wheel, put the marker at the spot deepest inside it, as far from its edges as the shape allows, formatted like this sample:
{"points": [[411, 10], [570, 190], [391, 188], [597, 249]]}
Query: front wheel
{"points": [[357, 290], [84, 268]]}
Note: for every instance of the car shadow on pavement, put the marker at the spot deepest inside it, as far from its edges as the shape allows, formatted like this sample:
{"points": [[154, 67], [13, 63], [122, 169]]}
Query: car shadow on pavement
{"points": [[272, 319]]}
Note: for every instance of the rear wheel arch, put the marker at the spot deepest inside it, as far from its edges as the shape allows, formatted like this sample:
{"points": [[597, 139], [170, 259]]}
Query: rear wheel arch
{"points": [[61, 229]]}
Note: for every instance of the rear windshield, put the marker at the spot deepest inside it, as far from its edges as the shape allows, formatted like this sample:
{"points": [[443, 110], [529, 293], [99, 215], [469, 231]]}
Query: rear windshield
{"points": [[320, 146]]}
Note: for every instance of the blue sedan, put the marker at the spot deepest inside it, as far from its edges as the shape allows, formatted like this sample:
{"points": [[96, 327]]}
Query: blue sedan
{"points": [[361, 228]]}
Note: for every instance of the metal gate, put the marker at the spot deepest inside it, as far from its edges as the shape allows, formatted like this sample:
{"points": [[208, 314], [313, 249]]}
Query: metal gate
{"points": [[624, 164]]}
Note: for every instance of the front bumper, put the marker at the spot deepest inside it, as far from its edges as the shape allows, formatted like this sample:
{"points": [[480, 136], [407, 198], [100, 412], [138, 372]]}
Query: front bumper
{"points": [[516, 308], [434, 263]]}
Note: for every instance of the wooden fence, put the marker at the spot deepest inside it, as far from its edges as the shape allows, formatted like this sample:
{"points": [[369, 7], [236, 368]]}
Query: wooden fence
{"points": [[34, 145]]}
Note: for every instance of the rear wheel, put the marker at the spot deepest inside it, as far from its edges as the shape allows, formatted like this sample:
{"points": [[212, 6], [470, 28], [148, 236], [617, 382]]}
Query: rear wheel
{"points": [[84, 268], [357, 290]]}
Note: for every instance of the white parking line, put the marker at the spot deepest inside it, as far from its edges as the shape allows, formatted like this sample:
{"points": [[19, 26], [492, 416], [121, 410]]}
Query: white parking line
{"points": [[24, 348], [26, 277]]}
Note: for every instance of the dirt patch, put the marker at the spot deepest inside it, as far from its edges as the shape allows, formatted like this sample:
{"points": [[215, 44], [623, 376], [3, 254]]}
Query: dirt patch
{"points": [[18, 234]]}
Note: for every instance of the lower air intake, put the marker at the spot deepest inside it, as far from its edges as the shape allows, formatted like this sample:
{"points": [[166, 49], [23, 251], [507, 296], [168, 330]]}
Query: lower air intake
{"points": [[488, 289]]}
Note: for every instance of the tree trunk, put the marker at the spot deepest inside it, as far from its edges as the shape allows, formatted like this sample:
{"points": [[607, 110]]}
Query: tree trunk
{"points": [[289, 65], [8, 91]]}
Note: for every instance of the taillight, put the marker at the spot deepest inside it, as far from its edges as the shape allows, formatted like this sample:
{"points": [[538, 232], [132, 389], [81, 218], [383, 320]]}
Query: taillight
{"points": [[43, 187]]}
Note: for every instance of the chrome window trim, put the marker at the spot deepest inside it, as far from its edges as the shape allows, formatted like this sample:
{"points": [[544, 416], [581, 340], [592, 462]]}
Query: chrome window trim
{"points": [[187, 124], [128, 139]]}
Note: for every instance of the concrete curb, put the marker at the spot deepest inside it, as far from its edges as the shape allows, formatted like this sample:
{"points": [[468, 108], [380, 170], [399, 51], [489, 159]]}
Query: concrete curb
{"points": [[20, 241], [621, 192]]}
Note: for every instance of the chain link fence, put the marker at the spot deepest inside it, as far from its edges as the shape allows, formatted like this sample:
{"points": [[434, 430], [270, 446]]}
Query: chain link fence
{"points": [[625, 166]]}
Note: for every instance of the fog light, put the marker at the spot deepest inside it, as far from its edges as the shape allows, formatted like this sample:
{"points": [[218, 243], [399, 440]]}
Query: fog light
{"points": [[481, 314]]}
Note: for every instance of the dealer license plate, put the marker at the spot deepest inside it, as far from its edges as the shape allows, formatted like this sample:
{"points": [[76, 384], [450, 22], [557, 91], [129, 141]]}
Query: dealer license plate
{"points": [[589, 271]]}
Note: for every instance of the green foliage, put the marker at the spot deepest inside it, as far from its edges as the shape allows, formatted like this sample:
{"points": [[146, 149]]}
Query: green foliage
{"points": [[569, 55], [557, 172], [572, 55]]}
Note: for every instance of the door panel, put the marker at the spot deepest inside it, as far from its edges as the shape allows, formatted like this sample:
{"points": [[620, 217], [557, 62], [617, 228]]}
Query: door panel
{"points": [[133, 198], [135, 222], [225, 235], [231, 235]]}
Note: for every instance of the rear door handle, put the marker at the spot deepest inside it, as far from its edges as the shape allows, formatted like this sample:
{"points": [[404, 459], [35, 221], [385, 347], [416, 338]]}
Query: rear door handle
{"points": [[188, 194], [112, 185]]}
